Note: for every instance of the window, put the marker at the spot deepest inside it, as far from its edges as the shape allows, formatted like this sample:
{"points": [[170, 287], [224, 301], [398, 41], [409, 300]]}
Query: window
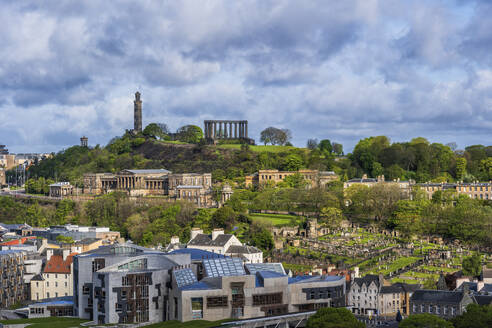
{"points": [[47, 284], [86, 290], [56, 283], [267, 299], [47, 295], [197, 307], [216, 302]]}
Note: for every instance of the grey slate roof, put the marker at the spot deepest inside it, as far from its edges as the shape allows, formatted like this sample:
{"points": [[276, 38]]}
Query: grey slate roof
{"points": [[206, 240], [437, 296], [483, 299], [367, 280], [149, 171], [236, 249]]}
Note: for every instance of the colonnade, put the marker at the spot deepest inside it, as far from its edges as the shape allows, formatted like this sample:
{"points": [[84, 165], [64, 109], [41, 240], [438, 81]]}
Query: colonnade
{"points": [[226, 129]]}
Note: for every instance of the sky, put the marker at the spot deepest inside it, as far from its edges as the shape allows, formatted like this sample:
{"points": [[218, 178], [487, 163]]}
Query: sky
{"points": [[338, 70]]}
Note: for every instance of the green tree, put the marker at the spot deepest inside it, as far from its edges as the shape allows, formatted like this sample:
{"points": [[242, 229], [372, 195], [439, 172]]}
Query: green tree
{"points": [[190, 134], [460, 168], [153, 130], [64, 239], [325, 145], [295, 181], [377, 169], [293, 163], [425, 320], [472, 265], [337, 148], [476, 316], [333, 318], [224, 217]]}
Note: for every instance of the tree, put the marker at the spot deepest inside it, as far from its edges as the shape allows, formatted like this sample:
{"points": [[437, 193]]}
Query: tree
{"points": [[293, 163], [325, 145], [337, 148], [224, 217], [377, 169], [190, 134], [275, 136], [460, 168], [425, 320], [295, 181], [153, 130], [64, 239], [333, 318], [312, 144], [452, 145], [476, 316], [472, 266]]}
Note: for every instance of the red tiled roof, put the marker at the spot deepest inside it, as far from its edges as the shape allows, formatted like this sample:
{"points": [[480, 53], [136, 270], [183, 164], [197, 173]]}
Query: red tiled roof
{"points": [[57, 265], [19, 241]]}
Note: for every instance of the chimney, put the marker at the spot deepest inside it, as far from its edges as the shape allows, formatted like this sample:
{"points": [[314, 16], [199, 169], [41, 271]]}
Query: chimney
{"points": [[480, 285], [49, 253], [174, 240], [216, 233], [195, 232], [65, 253]]}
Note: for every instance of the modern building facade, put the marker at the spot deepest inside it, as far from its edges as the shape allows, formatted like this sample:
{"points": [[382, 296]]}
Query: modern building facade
{"points": [[12, 278]]}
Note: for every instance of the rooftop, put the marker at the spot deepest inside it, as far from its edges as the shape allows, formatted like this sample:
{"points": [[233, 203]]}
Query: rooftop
{"points": [[443, 296], [197, 254], [206, 240]]}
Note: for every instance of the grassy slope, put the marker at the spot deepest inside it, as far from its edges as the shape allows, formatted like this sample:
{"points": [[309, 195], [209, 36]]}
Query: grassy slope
{"points": [[278, 220], [260, 149], [55, 322]]}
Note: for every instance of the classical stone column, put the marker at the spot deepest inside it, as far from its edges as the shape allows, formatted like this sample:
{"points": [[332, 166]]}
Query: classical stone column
{"points": [[230, 130], [215, 129], [246, 127], [235, 130]]}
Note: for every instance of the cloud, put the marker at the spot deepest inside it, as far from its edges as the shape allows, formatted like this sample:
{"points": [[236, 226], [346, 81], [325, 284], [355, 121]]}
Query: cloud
{"points": [[341, 70]]}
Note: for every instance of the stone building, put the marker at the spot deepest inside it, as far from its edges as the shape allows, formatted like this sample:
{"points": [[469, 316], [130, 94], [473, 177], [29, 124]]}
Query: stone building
{"points": [[12, 278], [475, 190], [446, 304], [215, 130], [61, 189], [56, 280], [315, 177], [405, 186], [193, 187], [84, 142], [224, 244]]}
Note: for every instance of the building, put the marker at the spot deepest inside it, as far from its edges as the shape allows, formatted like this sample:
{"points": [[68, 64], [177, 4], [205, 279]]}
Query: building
{"points": [[56, 280], [231, 289], [405, 186], [193, 187], [61, 189], [225, 244], [61, 308], [363, 295], [78, 233], [84, 265], [475, 190], [446, 304], [84, 142], [12, 278], [370, 296], [315, 177]]}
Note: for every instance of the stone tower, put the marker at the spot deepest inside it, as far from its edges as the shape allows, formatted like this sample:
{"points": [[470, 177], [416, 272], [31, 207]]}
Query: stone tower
{"points": [[137, 109], [84, 141]]}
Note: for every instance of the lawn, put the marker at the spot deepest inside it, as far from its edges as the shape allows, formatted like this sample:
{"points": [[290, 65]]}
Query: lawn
{"points": [[189, 324], [53, 322], [277, 220], [438, 269], [405, 281], [398, 264], [261, 149], [297, 267]]}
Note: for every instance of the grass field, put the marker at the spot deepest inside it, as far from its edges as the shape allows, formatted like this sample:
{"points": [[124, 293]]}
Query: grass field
{"points": [[54, 322], [189, 324], [261, 149], [277, 220]]}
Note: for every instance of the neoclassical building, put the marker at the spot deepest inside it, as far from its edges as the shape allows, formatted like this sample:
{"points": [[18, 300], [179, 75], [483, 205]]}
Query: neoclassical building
{"points": [[315, 177], [194, 187]]}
